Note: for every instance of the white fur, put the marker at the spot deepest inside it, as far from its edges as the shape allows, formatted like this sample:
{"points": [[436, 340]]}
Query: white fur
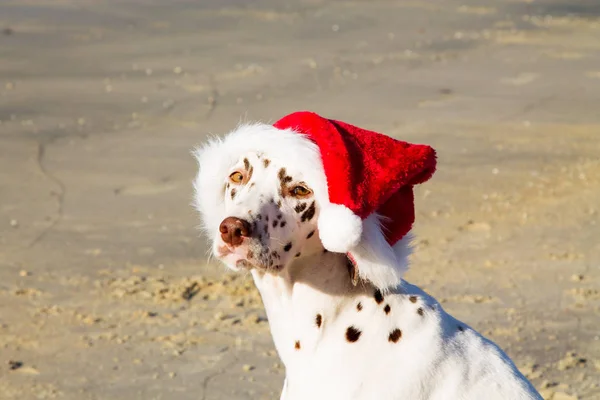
{"points": [[436, 357]]}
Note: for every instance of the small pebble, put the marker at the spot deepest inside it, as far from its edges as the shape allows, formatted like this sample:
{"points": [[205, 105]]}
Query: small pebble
{"points": [[13, 365], [247, 367]]}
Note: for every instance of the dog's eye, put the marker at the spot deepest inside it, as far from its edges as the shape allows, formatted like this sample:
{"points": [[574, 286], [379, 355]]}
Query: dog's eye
{"points": [[300, 191], [236, 177]]}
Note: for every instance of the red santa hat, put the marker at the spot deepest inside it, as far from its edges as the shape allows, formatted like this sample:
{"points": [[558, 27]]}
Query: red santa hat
{"points": [[366, 173]]}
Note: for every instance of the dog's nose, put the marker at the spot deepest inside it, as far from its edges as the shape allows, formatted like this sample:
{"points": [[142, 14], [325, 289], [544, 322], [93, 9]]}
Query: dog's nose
{"points": [[234, 230]]}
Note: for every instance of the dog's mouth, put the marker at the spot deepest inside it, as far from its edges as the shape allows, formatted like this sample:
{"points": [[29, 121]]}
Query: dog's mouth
{"points": [[249, 256]]}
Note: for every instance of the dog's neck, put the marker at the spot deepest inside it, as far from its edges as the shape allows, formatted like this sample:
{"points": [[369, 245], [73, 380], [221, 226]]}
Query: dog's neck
{"points": [[304, 302]]}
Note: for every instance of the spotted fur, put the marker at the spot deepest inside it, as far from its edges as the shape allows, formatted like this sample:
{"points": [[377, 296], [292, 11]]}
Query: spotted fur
{"points": [[352, 334], [309, 213], [378, 296], [300, 207], [395, 335]]}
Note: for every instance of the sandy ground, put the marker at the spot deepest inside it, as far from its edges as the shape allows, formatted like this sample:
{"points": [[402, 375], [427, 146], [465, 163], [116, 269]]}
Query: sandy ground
{"points": [[105, 288]]}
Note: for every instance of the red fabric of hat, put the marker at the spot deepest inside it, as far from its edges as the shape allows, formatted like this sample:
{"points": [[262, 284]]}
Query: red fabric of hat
{"points": [[366, 172]]}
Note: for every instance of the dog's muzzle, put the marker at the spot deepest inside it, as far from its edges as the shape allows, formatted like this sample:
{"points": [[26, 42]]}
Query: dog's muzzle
{"points": [[234, 230]]}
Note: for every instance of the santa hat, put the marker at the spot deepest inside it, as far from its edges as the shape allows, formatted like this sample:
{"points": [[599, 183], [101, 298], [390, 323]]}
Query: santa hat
{"points": [[368, 174]]}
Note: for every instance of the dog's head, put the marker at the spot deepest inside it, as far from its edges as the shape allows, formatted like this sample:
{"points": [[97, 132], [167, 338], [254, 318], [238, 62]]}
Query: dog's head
{"points": [[259, 191]]}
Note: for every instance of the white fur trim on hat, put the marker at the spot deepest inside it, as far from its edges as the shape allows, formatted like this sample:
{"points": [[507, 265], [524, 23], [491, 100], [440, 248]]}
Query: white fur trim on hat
{"points": [[339, 228]]}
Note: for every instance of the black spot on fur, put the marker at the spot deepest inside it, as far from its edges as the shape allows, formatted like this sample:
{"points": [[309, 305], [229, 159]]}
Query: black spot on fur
{"points": [[395, 335], [359, 306], [300, 207], [267, 218], [233, 192], [297, 345], [310, 213], [266, 228], [266, 162], [378, 296], [297, 255], [279, 216], [282, 224], [287, 247], [259, 217], [246, 164], [310, 235], [352, 334], [284, 179], [275, 224], [319, 320], [387, 309], [413, 299], [420, 311]]}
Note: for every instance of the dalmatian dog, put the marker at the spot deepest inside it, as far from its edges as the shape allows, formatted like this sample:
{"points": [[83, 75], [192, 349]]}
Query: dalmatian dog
{"points": [[341, 330]]}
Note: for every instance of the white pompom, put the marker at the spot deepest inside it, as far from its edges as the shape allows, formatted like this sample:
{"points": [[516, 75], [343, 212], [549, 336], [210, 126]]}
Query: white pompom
{"points": [[339, 228]]}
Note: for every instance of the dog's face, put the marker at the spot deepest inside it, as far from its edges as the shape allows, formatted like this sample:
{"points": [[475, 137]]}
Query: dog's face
{"points": [[270, 214]]}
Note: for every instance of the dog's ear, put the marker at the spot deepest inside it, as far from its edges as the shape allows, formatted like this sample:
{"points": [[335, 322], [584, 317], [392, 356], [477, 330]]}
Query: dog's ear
{"points": [[378, 262]]}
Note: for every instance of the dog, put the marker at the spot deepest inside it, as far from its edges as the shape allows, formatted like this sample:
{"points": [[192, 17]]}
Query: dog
{"points": [[345, 327]]}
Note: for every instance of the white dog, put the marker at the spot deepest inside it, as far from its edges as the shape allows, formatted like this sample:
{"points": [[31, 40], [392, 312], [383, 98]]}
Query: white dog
{"points": [[344, 323]]}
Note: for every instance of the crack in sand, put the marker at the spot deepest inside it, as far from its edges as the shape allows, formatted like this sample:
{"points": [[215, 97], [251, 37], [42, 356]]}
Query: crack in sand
{"points": [[60, 194], [212, 376]]}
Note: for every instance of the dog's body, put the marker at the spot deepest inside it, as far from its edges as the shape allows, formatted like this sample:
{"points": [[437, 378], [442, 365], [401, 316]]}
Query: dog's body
{"points": [[340, 341], [259, 192]]}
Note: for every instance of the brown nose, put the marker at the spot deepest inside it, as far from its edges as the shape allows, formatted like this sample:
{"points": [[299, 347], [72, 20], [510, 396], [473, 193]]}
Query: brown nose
{"points": [[234, 230]]}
